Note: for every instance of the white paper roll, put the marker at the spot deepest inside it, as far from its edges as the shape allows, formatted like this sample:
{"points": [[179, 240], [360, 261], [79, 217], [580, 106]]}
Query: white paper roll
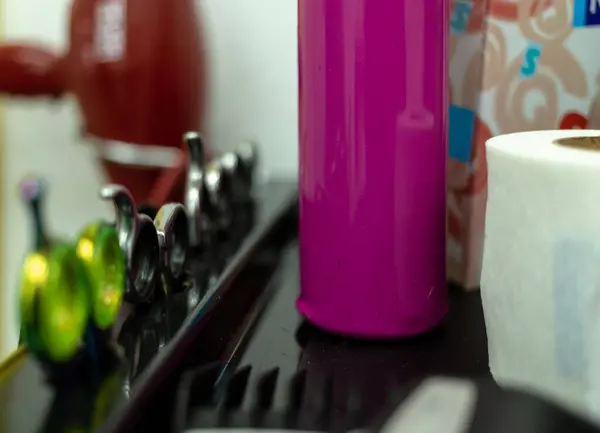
{"points": [[540, 282]]}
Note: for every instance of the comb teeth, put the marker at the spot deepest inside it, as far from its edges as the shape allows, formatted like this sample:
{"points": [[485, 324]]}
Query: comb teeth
{"points": [[323, 401], [265, 390], [201, 390], [196, 389], [204, 400], [296, 391], [236, 388]]}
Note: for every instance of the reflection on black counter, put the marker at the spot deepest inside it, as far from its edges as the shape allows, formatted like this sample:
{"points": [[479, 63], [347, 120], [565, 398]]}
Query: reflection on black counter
{"points": [[147, 328], [282, 339], [353, 379]]}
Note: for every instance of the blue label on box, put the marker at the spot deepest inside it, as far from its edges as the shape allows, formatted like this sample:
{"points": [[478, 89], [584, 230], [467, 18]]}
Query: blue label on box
{"points": [[530, 60], [462, 125], [459, 18], [575, 276], [586, 13]]}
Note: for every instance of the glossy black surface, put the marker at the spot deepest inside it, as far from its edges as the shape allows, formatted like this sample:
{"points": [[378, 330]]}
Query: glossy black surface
{"points": [[286, 374], [435, 404], [281, 339], [259, 326], [153, 337]]}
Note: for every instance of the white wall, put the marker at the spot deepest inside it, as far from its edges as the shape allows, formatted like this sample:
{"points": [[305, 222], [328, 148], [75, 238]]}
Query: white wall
{"points": [[253, 77]]}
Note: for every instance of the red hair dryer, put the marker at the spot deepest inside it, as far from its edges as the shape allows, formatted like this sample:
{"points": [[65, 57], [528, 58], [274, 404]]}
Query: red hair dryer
{"points": [[136, 68]]}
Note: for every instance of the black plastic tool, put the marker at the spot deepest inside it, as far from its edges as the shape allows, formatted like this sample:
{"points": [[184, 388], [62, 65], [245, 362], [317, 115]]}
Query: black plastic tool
{"points": [[207, 399]]}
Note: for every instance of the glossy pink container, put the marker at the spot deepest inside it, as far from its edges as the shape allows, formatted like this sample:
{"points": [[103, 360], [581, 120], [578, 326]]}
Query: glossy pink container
{"points": [[373, 134]]}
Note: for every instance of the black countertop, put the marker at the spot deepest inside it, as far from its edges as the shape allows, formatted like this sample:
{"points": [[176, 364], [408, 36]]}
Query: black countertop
{"points": [[281, 339], [348, 384], [154, 338]]}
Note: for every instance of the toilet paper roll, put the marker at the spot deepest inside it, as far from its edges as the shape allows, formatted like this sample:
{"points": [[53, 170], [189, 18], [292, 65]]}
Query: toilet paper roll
{"points": [[540, 282]]}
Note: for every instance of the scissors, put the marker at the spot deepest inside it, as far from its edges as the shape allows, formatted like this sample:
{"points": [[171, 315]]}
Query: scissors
{"points": [[139, 243]]}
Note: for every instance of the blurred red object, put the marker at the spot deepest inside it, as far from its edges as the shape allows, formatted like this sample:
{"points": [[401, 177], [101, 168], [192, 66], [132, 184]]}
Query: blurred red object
{"points": [[573, 120], [136, 68]]}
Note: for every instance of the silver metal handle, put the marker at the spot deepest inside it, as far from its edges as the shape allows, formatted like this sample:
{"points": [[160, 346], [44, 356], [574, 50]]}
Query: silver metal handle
{"points": [[194, 186], [173, 229], [125, 213]]}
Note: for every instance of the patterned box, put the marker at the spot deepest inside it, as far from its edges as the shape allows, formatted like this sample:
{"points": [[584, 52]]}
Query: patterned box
{"points": [[515, 65]]}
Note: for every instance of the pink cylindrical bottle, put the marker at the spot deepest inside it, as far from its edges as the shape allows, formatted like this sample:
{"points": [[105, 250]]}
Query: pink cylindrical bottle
{"points": [[373, 134]]}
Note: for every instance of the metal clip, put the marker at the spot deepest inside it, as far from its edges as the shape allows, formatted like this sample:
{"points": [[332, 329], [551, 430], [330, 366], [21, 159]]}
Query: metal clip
{"points": [[238, 167], [195, 187], [247, 153], [219, 193], [138, 241], [171, 223], [214, 189]]}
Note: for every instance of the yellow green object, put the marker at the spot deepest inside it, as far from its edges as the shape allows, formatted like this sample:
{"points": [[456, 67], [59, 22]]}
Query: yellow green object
{"points": [[67, 287], [106, 398], [34, 275], [54, 302], [98, 249]]}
